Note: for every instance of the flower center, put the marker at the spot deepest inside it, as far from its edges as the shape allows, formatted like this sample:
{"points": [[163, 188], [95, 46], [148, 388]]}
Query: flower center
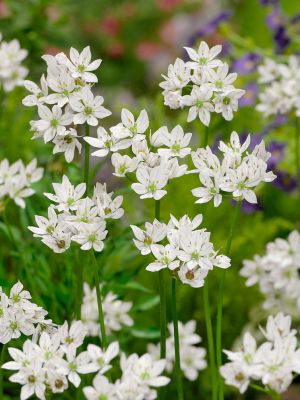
{"points": [[58, 383], [31, 378], [54, 123], [88, 110], [226, 101]]}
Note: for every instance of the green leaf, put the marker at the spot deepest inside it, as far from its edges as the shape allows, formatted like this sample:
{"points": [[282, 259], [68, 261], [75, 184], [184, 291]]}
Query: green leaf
{"points": [[148, 333], [146, 303]]}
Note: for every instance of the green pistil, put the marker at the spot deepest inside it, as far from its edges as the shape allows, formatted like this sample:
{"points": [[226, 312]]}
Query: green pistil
{"points": [[239, 377], [219, 84], [50, 229], [13, 325], [165, 260], [145, 375], [61, 244], [16, 298], [72, 366], [58, 383], [147, 240], [69, 340], [152, 187], [190, 275], [107, 210], [202, 60], [100, 361], [226, 101], [70, 201], [199, 103], [81, 68], [122, 168], [54, 122], [31, 378], [88, 110], [68, 139], [102, 397], [176, 147], [195, 255], [93, 238]]}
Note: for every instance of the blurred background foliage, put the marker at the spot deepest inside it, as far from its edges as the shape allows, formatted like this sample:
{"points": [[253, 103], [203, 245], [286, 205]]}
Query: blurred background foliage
{"points": [[136, 41]]}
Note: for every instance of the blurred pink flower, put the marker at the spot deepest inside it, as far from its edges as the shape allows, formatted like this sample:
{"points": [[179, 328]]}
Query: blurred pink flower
{"points": [[145, 50], [168, 5], [110, 25], [4, 10], [115, 50]]}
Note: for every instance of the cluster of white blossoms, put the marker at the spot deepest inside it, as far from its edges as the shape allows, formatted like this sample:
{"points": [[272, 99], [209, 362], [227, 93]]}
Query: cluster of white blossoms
{"points": [[16, 180], [277, 273], [19, 316], [238, 172], [48, 366], [115, 312], [280, 93], [192, 357], [65, 99], [180, 247], [12, 72], [76, 219], [203, 84], [153, 169], [273, 362]]}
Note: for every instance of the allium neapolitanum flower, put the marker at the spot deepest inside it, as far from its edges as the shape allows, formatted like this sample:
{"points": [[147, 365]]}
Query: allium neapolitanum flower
{"points": [[65, 100], [277, 273], [274, 362], [238, 172], [16, 180], [280, 87], [154, 163], [180, 247], [75, 218], [208, 84], [192, 357], [12, 72], [19, 315]]}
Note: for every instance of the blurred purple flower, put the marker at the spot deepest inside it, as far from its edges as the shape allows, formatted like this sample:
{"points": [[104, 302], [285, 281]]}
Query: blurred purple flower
{"points": [[246, 64], [285, 181], [282, 39], [269, 2], [249, 208], [250, 96], [279, 120], [275, 19], [277, 150], [213, 24]]}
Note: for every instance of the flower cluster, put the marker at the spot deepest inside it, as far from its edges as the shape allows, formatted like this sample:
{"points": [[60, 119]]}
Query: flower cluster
{"points": [[19, 316], [16, 180], [115, 312], [277, 272], [280, 94], [76, 219], [180, 247], [12, 72], [192, 357], [273, 362], [47, 367], [153, 169], [206, 81], [238, 172], [65, 100]]}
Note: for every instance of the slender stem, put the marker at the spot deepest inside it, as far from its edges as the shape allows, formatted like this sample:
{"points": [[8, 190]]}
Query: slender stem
{"points": [[79, 293], [220, 302], [210, 340], [177, 344], [3, 350], [297, 150], [86, 171], [206, 132], [10, 234], [163, 302], [99, 302]]}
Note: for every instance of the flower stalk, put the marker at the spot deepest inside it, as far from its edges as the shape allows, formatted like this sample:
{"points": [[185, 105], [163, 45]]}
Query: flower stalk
{"points": [[297, 150], [86, 170], [220, 302], [99, 302], [176, 343]]}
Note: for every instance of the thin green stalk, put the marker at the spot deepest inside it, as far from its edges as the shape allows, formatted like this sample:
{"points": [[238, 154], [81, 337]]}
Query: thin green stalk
{"points": [[206, 132], [3, 350], [220, 303], [79, 282], [177, 344], [210, 340], [163, 301], [99, 302], [86, 171], [297, 150]]}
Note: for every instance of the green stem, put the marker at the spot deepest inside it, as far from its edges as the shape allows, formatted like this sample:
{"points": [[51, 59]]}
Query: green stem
{"points": [[3, 350], [210, 340], [162, 294], [177, 344], [79, 293], [99, 302], [220, 302], [86, 171], [206, 132], [297, 150]]}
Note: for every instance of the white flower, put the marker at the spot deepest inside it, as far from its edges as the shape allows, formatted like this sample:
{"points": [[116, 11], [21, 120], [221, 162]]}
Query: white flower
{"points": [[204, 57], [227, 102], [101, 389], [178, 76], [153, 233], [236, 375], [107, 206], [131, 128], [67, 143], [38, 95], [91, 236], [52, 122], [199, 103], [123, 164], [192, 276], [80, 64], [210, 190], [104, 142], [100, 359], [165, 258], [88, 108], [221, 80], [66, 195], [116, 313], [151, 182], [177, 142], [74, 365], [72, 336]]}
